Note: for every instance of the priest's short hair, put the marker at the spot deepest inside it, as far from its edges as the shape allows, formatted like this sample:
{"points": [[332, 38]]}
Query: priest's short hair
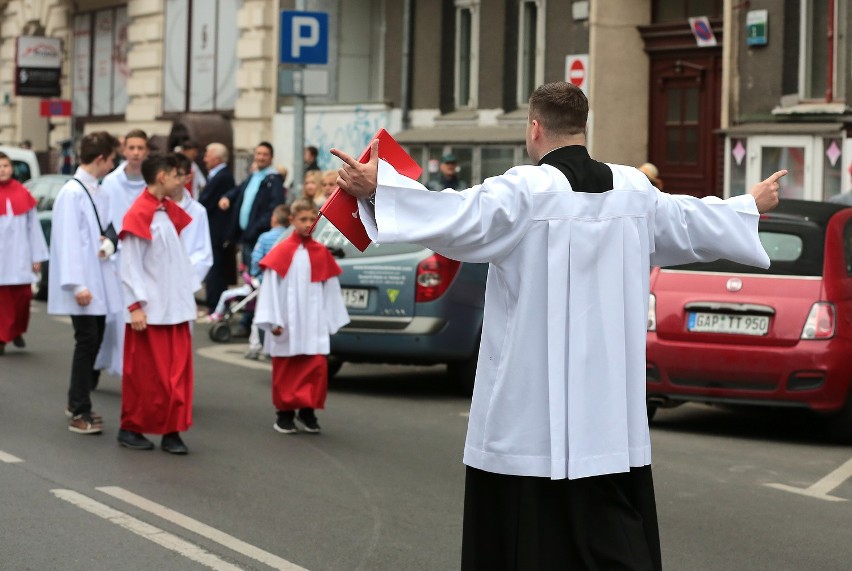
{"points": [[560, 107]]}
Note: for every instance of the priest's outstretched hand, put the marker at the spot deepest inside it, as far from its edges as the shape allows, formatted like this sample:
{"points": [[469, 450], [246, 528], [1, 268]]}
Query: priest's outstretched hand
{"points": [[358, 179], [765, 193]]}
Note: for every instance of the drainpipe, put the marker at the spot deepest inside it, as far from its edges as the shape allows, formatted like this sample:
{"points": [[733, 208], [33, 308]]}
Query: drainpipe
{"points": [[405, 91], [829, 85]]}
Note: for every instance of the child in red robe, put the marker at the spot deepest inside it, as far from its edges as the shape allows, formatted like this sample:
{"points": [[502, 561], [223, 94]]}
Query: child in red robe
{"points": [[156, 392], [24, 248], [301, 304]]}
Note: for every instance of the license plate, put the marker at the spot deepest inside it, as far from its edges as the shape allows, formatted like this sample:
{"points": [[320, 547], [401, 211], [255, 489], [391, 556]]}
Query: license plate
{"points": [[356, 298], [727, 323]]}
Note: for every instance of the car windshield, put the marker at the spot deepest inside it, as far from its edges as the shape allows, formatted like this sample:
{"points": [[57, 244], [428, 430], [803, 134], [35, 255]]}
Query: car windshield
{"points": [[45, 189], [793, 249], [331, 237]]}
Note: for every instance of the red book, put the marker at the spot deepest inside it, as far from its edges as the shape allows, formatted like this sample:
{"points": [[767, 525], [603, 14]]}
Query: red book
{"points": [[341, 209]]}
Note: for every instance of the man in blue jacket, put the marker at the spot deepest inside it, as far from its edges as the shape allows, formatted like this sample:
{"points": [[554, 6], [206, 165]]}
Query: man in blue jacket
{"points": [[252, 202]]}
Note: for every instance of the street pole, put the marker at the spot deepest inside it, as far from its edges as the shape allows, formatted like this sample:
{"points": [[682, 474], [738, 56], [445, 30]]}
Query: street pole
{"points": [[298, 120]]}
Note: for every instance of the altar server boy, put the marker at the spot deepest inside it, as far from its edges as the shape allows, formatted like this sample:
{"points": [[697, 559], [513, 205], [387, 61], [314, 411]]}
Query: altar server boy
{"points": [[301, 304], [156, 395], [24, 248]]}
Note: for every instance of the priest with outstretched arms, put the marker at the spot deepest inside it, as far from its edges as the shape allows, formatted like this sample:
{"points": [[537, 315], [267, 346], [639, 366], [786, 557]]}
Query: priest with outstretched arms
{"points": [[558, 451]]}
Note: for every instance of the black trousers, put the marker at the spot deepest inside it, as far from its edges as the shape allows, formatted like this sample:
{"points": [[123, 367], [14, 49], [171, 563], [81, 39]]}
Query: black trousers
{"points": [[217, 278], [88, 335], [523, 523]]}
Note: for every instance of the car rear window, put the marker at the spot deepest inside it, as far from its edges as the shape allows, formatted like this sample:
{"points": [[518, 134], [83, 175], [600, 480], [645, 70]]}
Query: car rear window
{"points": [[796, 250], [327, 234]]}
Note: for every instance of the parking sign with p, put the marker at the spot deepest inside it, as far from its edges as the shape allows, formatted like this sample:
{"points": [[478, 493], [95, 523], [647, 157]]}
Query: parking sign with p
{"points": [[304, 37]]}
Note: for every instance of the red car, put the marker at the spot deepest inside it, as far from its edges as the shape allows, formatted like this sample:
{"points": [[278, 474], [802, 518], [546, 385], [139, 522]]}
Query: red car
{"points": [[721, 332]]}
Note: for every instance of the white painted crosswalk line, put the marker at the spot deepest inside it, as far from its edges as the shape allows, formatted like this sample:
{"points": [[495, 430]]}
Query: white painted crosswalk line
{"points": [[820, 490], [149, 532], [201, 529], [8, 458]]}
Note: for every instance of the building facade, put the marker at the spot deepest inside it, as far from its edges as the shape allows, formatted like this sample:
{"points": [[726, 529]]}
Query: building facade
{"points": [[752, 87]]}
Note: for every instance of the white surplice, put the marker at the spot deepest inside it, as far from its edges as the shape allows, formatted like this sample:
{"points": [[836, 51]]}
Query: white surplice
{"points": [[122, 193], [154, 273], [74, 243], [560, 380], [23, 245], [308, 311], [196, 238]]}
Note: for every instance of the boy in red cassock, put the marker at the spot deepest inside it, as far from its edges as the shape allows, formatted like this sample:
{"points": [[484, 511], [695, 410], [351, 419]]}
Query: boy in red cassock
{"points": [[301, 304], [24, 248], [156, 393]]}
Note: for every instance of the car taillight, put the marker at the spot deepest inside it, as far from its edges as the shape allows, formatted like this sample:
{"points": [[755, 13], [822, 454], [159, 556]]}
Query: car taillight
{"points": [[652, 313], [820, 322], [434, 275]]}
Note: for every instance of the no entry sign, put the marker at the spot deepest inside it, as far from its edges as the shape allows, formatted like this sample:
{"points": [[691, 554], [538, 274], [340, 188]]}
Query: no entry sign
{"points": [[577, 71]]}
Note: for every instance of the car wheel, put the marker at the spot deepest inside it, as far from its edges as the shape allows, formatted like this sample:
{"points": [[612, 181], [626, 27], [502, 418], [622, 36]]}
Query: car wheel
{"points": [[220, 332], [334, 365], [40, 287], [840, 424]]}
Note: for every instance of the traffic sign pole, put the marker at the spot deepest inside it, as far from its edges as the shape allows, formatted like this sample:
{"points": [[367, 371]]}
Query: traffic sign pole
{"points": [[299, 124]]}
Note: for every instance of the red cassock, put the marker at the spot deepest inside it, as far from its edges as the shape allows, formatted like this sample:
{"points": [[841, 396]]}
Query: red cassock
{"points": [[300, 381], [157, 379], [14, 299], [14, 311], [156, 387]]}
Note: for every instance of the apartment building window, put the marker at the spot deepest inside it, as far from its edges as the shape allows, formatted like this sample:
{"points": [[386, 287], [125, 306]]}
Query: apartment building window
{"points": [[200, 46], [361, 50], [467, 53], [821, 49], [530, 48], [676, 10], [100, 63], [815, 164]]}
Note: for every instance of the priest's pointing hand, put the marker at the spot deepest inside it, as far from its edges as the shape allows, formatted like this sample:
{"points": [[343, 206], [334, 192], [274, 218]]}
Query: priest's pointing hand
{"points": [[766, 193], [358, 179]]}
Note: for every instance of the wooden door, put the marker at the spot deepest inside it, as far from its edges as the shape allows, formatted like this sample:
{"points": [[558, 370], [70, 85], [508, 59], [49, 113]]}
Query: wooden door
{"points": [[685, 106]]}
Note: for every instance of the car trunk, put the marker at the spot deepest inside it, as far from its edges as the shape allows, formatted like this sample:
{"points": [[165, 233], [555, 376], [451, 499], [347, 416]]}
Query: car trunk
{"points": [[729, 303], [767, 310]]}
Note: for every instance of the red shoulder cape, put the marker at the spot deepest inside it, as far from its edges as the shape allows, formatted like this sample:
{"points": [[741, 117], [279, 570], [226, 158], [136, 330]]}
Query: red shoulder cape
{"points": [[139, 216], [16, 193], [323, 264]]}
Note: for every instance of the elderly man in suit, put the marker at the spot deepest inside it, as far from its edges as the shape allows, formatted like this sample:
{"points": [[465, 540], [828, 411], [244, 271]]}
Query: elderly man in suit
{"points": [[219, 181]]}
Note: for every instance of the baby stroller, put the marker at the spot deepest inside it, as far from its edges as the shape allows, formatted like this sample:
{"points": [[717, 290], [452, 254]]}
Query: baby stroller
{"points": [[220, 332]]}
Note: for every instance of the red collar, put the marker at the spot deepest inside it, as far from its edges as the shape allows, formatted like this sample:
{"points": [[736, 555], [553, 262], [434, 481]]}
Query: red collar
{"points": [[139, 216], [323, 264], [16, 193]]}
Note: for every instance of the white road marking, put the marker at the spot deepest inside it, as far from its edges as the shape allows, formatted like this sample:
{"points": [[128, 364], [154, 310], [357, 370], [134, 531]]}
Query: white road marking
{"points": [[8, 458], [233, 355], [201, 529], [820, 490], [62, 319], [149, 532]]}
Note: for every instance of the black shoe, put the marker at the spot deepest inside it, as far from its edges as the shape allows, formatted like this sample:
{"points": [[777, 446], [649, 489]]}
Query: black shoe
{"points": [[308, 419], [285, 424], [172, 444], [19, 342], [134, 440], [2, 348]]}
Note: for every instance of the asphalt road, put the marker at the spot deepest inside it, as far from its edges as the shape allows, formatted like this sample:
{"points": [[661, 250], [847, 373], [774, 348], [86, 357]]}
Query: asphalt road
{"points": [[380, 489]]}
